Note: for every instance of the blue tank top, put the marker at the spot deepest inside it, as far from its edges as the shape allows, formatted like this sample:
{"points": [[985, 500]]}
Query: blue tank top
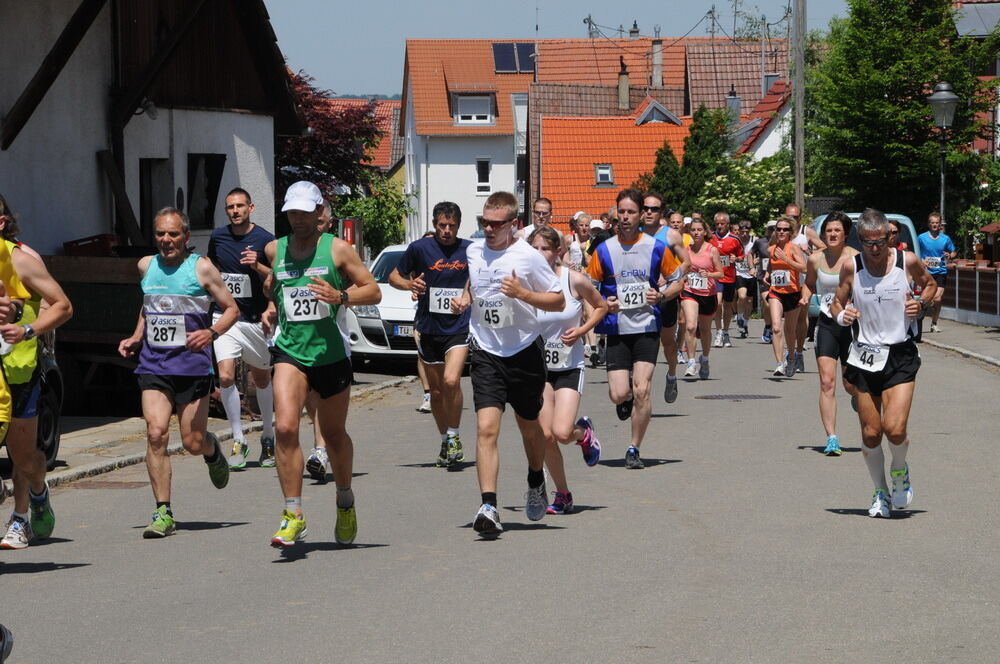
{"points": [[174, 303]]}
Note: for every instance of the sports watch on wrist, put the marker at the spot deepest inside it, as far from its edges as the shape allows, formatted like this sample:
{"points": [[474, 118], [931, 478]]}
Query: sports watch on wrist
{"points": [[344, 298], [29, 332]]}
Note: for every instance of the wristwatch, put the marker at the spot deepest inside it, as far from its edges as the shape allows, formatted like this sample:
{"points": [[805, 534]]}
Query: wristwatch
{"points": [[215, 335], [29, 332], [20, 310], [344, 298]]}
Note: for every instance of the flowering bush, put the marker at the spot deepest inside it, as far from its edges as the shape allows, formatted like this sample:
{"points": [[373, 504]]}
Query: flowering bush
{"points": [[754, 190]]}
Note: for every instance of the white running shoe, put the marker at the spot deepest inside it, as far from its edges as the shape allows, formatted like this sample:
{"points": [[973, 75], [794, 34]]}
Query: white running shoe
{"points": [[717, 343], [425, 403], [779, 370], [17, 536], [692, 369], [535, 502], [902, 492], [880, 505], [487, 521], [316, 464], [726, 341]]}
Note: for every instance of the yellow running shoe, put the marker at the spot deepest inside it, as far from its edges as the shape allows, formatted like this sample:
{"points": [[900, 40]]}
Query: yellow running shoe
{"points": [[347, 526], [291, 530]]}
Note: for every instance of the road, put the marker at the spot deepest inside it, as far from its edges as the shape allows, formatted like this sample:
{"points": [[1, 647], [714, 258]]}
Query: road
{"points": [[739, 543]]}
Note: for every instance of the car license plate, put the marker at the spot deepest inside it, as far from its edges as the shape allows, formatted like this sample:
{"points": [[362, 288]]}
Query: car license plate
{"points": [[402, 330]]}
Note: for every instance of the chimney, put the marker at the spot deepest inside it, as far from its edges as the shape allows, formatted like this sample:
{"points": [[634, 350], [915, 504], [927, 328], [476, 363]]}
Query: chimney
{"points": [[733, 104], [623, 91], [633, 32], [657, 73]]}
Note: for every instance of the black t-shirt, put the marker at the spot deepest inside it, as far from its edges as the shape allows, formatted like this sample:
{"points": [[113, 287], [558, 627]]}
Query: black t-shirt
{"points": [[225, 249], [442, 267], [760, 250]]}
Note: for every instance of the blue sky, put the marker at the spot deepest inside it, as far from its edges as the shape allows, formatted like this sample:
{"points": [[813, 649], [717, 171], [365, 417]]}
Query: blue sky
{"points": [[357, 47]]}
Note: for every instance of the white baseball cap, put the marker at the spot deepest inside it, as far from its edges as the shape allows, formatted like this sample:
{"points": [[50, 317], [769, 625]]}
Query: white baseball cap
{"points": [[302, 195], [771, 224], [578, 215], [596, 223]]}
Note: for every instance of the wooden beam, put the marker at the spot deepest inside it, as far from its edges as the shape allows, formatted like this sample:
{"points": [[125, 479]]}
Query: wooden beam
{"points": [[49, 70], [130, 100], [122, 204]]}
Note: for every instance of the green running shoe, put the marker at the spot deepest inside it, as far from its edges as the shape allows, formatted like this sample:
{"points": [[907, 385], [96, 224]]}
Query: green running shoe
{"points": [[455, 453], [43, 519], [267, 453], [442, 459], [291, 530], [218, 470], [347, 526], [241, 451], [161, 526]]}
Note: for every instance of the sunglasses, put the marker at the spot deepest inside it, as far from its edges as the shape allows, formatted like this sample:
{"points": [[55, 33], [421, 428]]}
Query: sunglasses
{"points": [[541, 213], [744, 228], [651, 208], [871, 244], [893, 232], [487, 223], [783, 229]]}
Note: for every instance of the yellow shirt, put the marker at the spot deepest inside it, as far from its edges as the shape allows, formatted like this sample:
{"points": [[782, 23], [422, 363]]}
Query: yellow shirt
{"points": [[13, 288]]}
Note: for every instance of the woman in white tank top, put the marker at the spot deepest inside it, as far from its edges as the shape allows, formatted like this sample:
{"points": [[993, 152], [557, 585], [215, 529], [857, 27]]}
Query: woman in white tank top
{"points": [[883, 360], [562, 333]]}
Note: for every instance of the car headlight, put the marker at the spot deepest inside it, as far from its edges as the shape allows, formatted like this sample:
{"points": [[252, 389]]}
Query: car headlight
{"points": [[366, 311]]}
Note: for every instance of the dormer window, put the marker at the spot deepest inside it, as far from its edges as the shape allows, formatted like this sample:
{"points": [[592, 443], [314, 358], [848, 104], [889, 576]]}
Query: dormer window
{"points": [[473, 109]]}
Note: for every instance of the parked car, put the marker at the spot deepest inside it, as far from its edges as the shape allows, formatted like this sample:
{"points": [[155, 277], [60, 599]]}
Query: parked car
{"points": [[383, 330], [50, 400], [907, 230]]}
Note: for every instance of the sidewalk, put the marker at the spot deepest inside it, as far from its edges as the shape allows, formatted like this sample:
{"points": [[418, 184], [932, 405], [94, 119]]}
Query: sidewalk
{"points": [[980, 343], [94, 445]]}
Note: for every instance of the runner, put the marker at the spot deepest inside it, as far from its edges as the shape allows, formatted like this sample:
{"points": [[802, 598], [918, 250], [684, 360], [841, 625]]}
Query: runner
{"points": [[699, 298], [508, 282], [808, 241], [308, 296], [746, 282], [883, 360], [436, 270], [832, 340], [937, 249], [730, 250], [237, 250], [578, 239], [562, 332], [784, 265], [628, 268], [673, 237], [759, 255], [173, 339]]}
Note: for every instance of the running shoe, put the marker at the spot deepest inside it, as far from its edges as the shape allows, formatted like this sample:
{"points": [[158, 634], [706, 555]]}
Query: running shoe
{"points": [[291, 530], [238, 459], [935, 328], [590, 446], [535, 503], [43, 519], [218, 470], [18, 534], [789, 365], [455, 453], [602, 358], [692, 369], [880, 505], [902, 492], [6, 643], [442, 459], [800, 363], [316, 464], [347, 526], [779, 370], [717, 342], [161, 525], [487, 521], [632, 460], [425, 404], [766, 337], [703, 369], [670, 390], [624, 409], [267, 452], [682, 357], [832, 446], [561, 504], [726, 341]]}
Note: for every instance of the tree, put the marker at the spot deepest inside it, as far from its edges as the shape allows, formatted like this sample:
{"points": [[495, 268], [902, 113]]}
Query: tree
{"points": [[871, 132], [754, 190], [665, 178], [383, 211], [705, 155]]}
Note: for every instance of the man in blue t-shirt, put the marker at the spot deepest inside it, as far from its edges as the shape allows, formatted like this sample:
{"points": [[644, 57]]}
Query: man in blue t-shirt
{"points": [[436, 271], [237, 250], [937, 249]]}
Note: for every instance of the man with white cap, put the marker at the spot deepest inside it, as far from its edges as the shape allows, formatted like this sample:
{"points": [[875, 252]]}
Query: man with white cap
{"points": [[309, 293]]}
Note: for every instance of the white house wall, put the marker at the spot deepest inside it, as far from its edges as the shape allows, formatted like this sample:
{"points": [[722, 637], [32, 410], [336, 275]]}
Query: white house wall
{"points": [[50, 174], [774, 137]]}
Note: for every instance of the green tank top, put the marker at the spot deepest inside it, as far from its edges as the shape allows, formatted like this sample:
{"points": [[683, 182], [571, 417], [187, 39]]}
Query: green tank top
{"points": [[310, 332], [19, 365]]}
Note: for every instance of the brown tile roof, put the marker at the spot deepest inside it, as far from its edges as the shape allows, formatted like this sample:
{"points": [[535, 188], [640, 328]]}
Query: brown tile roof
{"points": [[712, 68], [435, 67], [387, 118], [766, 111]]}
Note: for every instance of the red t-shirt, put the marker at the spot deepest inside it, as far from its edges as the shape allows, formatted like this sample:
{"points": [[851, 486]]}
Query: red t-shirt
{"points": [[730, 249]]}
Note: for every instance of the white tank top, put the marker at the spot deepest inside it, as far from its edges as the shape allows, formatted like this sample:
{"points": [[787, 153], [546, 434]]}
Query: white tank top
{"points": [[826, 287], [575, 252], [802, 240], [559, 357], [743, 264], [882, 303]]}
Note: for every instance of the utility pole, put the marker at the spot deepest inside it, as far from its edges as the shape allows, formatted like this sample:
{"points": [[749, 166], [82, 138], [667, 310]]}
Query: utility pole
{"points": [[763, 67], [799, 99]]}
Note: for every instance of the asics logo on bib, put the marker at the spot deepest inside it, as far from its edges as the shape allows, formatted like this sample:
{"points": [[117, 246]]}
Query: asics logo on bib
{"points": [[301, 292], [160, 320], [490, 304], [633, 273]]}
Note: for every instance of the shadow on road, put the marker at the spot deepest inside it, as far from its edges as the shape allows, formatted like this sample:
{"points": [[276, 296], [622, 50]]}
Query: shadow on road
{"points": [[34, 568], [432, 464], [820, 448], [669, 415], [896, 514], [209, 525], [620, 463], [302, 550]]}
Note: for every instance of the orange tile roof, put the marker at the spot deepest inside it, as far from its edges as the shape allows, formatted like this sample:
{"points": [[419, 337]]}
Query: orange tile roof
{"points": [[382, 156], [435, 67], [573, 145], [766, 111]]}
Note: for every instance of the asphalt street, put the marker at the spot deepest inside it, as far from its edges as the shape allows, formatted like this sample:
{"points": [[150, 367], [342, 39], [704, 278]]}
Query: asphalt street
{"points": [[739, 542]]}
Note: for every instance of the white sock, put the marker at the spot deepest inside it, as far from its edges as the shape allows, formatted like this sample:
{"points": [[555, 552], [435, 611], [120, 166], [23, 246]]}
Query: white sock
{"points": [[345, 498], [875, 460], [265, 399], [898, 453], [231, 402], [294, 505], [452, 431]]}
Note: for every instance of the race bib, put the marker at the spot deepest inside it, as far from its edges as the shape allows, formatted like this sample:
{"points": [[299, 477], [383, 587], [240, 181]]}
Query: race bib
{"points": [[165, 330], [495, 312], [301, 305], [5, 348], [725, 259], [697, 281], [238, 284], [827, 300], [742, 266], [632, 295], [933, 262], [764, 262], [557, 355], [440, 299], [780, 278], [868, 357]]}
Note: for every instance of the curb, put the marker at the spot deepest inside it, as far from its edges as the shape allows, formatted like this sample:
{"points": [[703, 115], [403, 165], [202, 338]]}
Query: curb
{"points": [[98, 468], [963, 351]]}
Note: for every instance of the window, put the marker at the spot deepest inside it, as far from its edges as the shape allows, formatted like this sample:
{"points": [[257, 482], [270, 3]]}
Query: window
{"points": [[204, 179], [473, 109], [603, 175], [483, 176], [155, 192]]}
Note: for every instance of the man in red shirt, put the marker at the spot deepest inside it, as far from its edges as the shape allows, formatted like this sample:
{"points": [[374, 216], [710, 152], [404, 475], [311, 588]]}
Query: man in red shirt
{"points": [[730, 250]]}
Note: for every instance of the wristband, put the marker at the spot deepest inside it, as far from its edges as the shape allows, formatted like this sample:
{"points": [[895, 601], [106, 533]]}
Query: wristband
{"points": [[840, 318]]}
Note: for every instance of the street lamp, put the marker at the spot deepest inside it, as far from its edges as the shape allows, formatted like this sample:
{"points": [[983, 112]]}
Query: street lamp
{"points": [[943, 103]]}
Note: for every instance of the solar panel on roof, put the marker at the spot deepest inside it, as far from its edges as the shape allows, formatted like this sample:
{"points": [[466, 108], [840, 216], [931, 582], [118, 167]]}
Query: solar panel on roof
{"points": [[526, 57], [504, 61]]}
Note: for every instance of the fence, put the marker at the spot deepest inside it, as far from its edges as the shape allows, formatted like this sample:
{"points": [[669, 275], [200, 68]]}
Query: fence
{"points": [[973, 293]]}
